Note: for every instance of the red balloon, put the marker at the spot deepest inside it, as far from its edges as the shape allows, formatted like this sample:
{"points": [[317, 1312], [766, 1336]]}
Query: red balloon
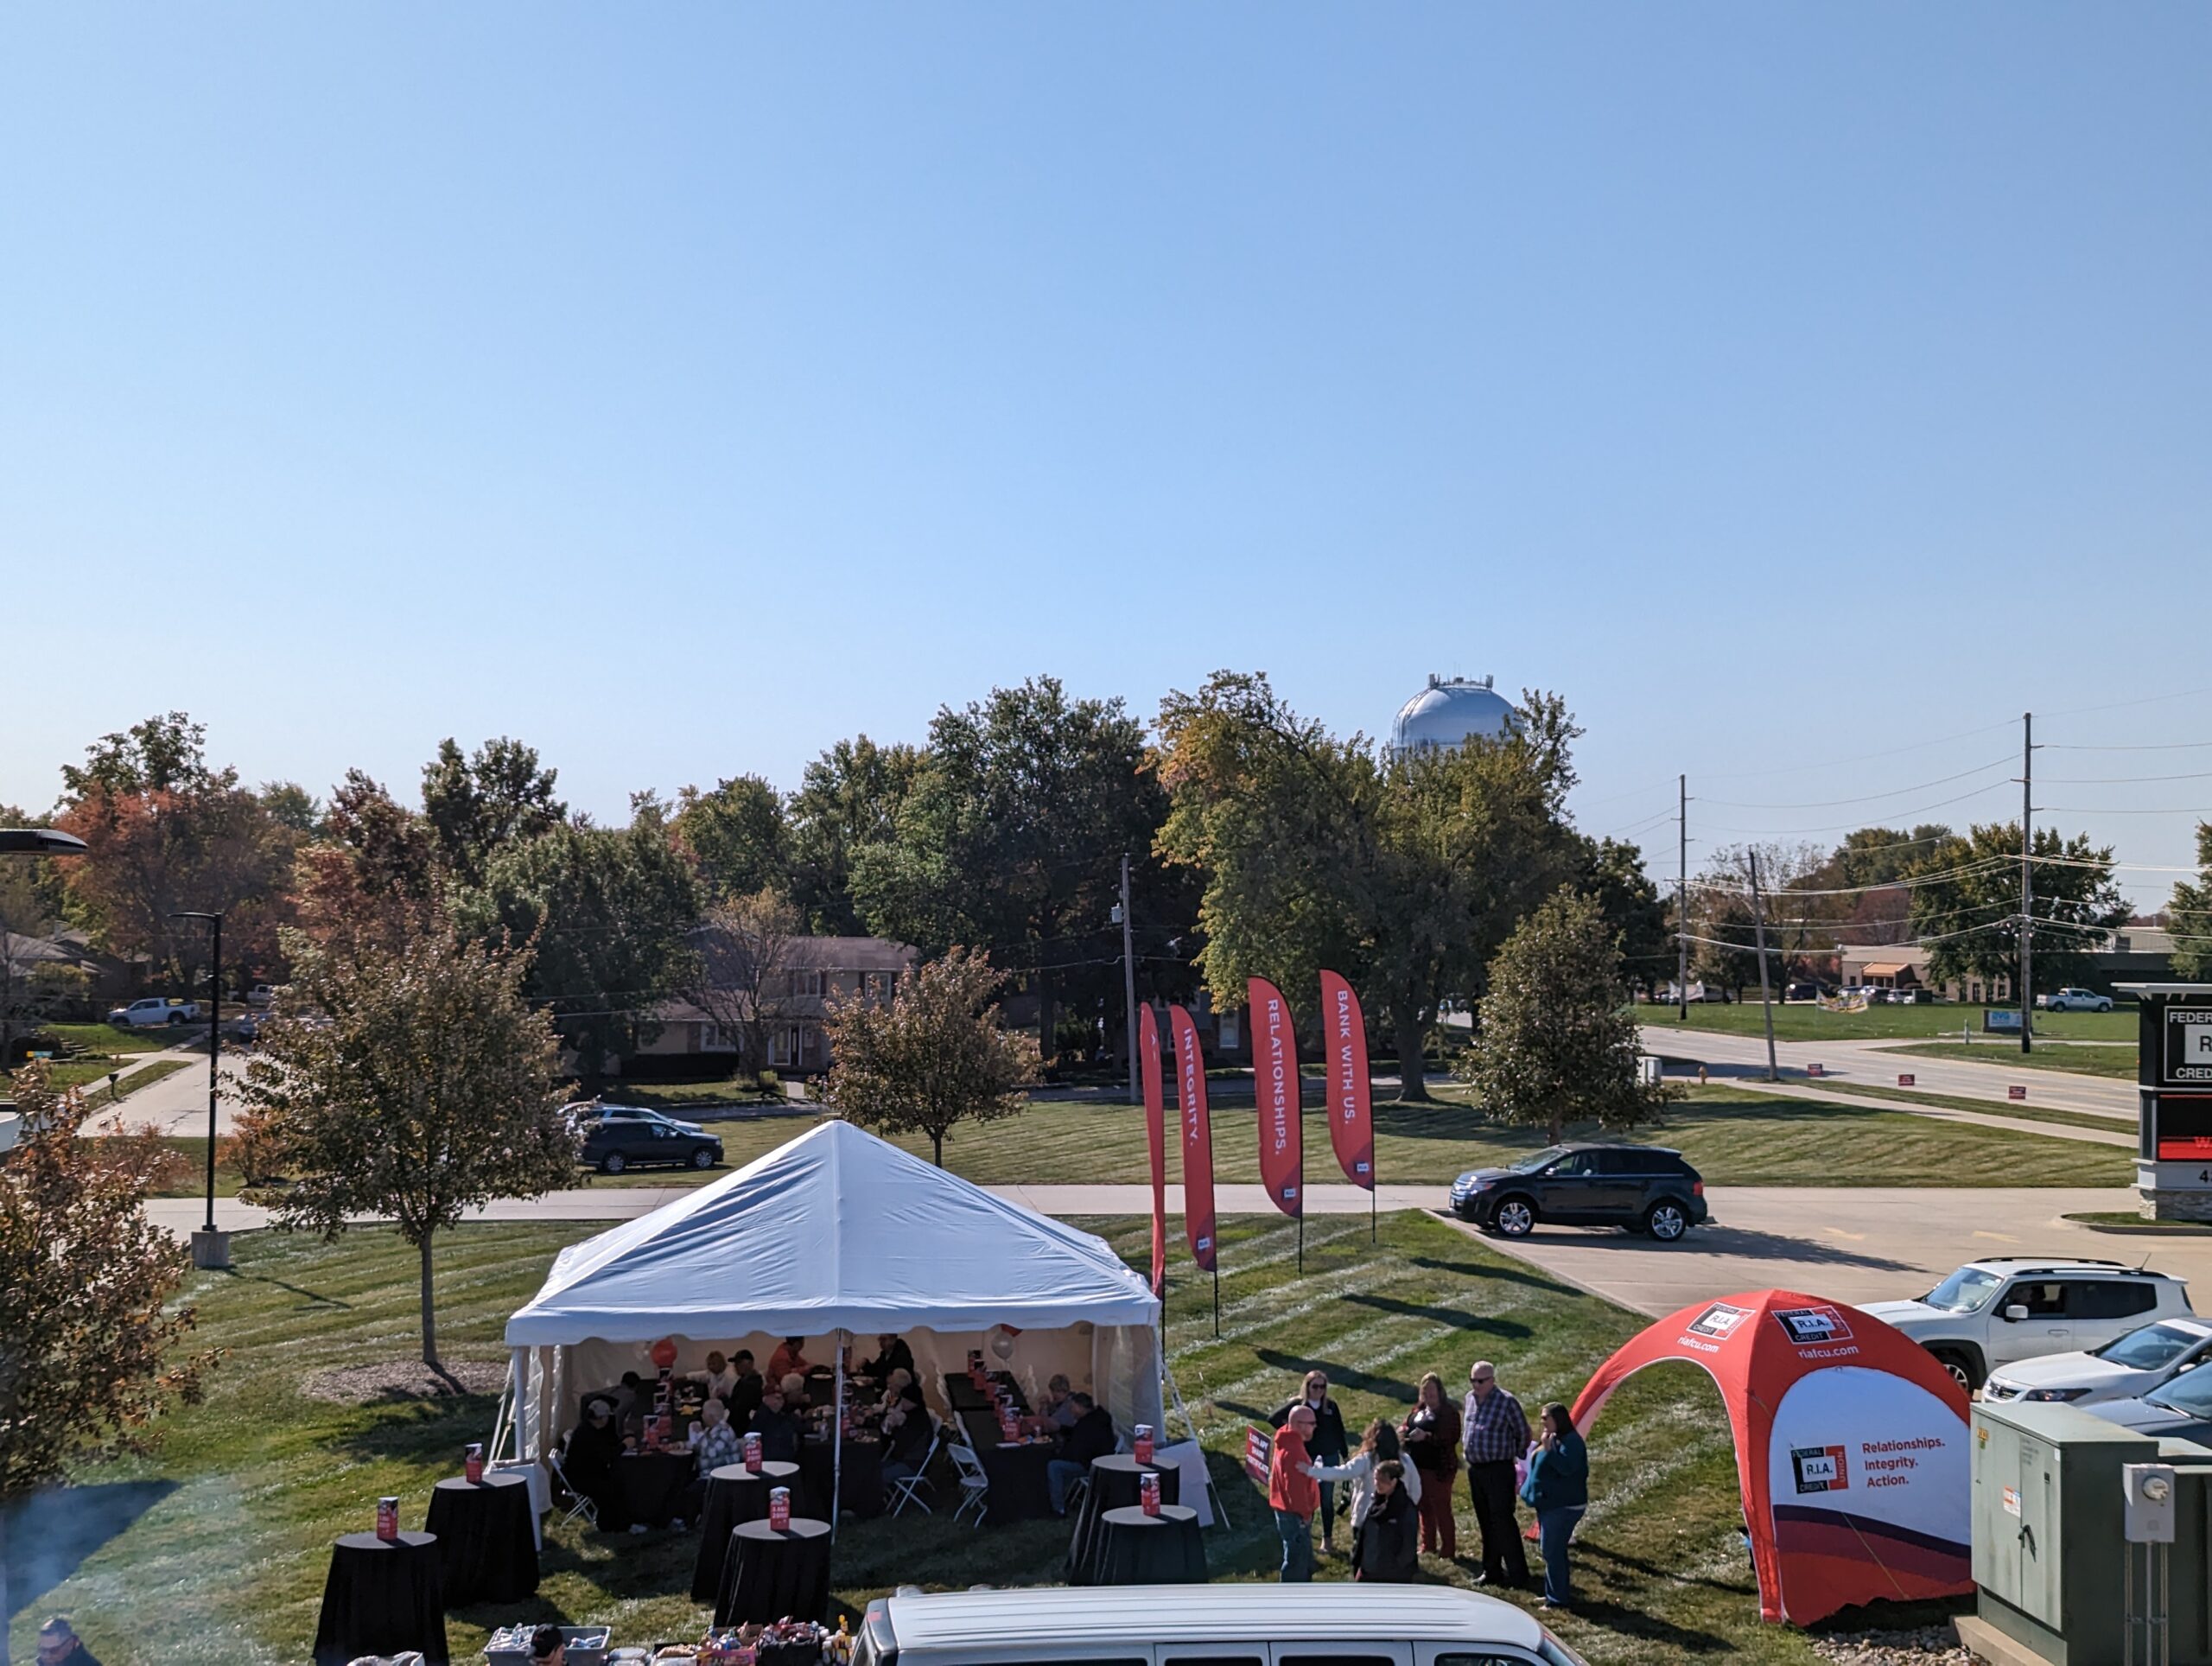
{"points": [[664, 1354]]}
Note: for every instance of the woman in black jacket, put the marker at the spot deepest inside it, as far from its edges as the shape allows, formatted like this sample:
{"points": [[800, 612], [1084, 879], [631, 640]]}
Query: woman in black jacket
{"points": [[1387, 1548], [1329, 1443]]}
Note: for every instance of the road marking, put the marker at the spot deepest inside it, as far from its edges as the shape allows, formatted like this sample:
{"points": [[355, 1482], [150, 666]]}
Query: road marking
{"points": [[2001, 1237]]}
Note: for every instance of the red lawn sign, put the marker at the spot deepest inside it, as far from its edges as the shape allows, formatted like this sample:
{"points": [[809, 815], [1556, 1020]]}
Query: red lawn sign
{"points": [[1259, 1451]]}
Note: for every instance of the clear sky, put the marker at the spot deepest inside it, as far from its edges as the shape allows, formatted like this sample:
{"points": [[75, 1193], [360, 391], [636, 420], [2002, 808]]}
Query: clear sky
{"points": [[682, 388]]}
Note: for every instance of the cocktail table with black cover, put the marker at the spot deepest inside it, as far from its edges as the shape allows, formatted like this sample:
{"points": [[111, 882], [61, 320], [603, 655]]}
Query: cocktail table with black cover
{"points": [[1021, 1487], [1115, 1480], [734, 1494], [648, 1488], [1135, 1548], [382, 1598], [771, 1575], [488, 1542]]}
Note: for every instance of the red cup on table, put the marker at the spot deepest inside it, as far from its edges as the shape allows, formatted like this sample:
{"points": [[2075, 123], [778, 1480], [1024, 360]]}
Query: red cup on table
{"points": [[779, 1508]]}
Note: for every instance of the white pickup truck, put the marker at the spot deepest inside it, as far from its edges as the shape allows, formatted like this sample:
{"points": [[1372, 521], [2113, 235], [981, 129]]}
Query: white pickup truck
{"points": [[154, 1011]]}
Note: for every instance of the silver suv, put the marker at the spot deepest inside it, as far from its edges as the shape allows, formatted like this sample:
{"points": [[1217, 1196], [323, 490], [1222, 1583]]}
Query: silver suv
{"points": [[1990, 1313]]}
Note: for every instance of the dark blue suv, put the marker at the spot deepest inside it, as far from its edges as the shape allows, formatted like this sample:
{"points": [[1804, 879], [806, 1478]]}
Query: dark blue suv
{"points": [[1644, 1188]]}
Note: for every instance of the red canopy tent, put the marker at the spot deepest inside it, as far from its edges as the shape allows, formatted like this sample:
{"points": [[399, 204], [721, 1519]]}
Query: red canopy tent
{"points": [[1851, 1448]]}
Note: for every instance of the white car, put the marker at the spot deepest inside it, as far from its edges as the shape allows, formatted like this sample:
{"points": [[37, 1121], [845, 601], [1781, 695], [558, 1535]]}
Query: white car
{"points": [[153, 1012], [2140, 1362], [1993, 1313], [2075, 1001]]}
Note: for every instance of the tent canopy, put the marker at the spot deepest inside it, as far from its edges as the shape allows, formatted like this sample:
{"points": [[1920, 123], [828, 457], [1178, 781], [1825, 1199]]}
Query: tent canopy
{"points": [[836, 1230]]}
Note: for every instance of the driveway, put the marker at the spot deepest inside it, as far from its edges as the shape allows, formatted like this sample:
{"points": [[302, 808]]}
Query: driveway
{"points": [[1849, 1245], [1870, 1062], [176, 1105]]}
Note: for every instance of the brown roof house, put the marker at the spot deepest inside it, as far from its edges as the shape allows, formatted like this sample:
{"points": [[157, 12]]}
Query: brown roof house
{"points": [[760, 999]]}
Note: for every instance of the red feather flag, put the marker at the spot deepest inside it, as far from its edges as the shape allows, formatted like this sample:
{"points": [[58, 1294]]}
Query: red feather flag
{"points": [[1274, 1078], [1198, 1137], [1155, 1136], [1351, 1096]]}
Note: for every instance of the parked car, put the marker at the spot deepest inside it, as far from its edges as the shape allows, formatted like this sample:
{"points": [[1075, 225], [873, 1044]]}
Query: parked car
{"points": [[2179, 1408], [607, 1113], [612, 1144], [1994, 1314], [1918, 997], [153, 1012], [2132, 1366], [245, 1028], [2075, 1001], [261, 995], [1801, 993], [1643, 1188]]}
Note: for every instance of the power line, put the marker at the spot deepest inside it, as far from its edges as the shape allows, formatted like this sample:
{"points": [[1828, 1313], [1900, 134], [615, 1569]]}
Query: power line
{"points": [[2122, 780], [1840, 827], [1895, 792]]}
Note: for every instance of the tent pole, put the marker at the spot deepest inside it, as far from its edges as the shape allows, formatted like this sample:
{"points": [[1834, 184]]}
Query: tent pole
{"points": [[837, 1437], [1301, 1241], [1216, 1302]]}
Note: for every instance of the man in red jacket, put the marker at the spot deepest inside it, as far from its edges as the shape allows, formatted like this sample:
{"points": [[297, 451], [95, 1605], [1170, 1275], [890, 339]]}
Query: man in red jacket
{"points": [[1293, 1495]]}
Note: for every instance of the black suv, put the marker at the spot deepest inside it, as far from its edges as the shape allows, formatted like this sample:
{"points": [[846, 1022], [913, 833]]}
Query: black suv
{"points": [[614, 1143], [1644, 1188]]}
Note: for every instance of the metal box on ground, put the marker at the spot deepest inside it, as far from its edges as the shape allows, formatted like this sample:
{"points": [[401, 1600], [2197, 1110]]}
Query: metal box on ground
{"points": [[2051, 1550]]}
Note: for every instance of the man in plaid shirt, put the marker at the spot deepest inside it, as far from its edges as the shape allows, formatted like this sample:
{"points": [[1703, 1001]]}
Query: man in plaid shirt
{"points": [[1497, 1436]]}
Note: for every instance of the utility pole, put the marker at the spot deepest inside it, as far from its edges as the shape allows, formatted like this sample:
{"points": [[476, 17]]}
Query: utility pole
{"points": [[1130, 979], [1682, 899], [2027, 882], [1766, 997]]}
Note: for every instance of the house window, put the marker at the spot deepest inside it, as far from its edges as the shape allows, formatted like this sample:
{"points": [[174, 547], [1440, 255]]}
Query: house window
{"points": [[816, 983], [710, 1038], [1227, 1035]]}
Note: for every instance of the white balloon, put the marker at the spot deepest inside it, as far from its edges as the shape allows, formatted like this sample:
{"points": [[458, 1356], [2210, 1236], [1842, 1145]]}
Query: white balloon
{"points": [[1002, 1345]]}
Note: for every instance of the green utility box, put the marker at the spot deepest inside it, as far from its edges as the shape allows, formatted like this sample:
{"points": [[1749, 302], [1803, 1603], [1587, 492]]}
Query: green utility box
{"points": [[2051, 1551]]}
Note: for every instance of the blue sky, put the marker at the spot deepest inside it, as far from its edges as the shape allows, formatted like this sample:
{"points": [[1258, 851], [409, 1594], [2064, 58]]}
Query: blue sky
{"points": [[684, 389]]}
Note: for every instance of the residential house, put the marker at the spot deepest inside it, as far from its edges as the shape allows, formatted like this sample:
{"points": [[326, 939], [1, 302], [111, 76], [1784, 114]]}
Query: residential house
{"points": [[794, 992]]}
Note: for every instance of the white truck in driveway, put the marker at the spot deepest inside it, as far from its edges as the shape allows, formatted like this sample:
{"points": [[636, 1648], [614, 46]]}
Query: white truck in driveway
{"points": [[154, 1012]]}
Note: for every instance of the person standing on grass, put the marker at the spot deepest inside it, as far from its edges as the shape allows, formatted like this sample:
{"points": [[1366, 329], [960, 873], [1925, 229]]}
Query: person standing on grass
{"points": [[1379, 1447], [1497, 1436], [1329, 1446], [1431, 1434], [1386, 1547], [1293, 1495], [1558, 1490]]}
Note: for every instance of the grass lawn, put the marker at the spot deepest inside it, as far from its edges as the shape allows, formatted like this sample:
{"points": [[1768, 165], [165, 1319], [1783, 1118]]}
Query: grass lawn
{"points": [[678, 1098], [2116, 1062], [110, 1038], [91, 1076], [214, 1549], [1735, 1134], [1906, 1023], [2012, 1109]]}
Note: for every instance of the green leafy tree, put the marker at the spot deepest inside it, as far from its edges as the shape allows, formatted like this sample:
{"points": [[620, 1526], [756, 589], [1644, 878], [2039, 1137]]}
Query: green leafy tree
{"points": [[2189, 915], [409, 1083], [1011, 838], [374, 875], [849, 797], [1403, 874], [1965, 905], [292, 807], [90, 1341], [605, 912], [1558, 1040], [736, 836], [1612, 873], [166, 753], [932, 1057], [479, 806]]}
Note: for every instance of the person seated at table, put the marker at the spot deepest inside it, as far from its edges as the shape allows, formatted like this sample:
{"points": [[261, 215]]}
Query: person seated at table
{"points": [[632, 1400], [1059, 1408], [892, 1354], [548, 1646], [789, 1358], [719, 1379], [777, 1428], [907, 1430], [1091, 1436], [902, 1390], [794, 1388], [589, 1458], [714, 1443]]}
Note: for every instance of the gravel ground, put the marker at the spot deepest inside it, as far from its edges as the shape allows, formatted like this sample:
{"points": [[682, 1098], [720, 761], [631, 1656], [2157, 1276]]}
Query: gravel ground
{"points": [[1926, 1645], [402, 1379]]}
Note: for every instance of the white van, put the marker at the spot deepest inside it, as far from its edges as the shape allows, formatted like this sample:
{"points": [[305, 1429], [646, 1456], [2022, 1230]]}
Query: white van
{"points": [[1251, 1625]]}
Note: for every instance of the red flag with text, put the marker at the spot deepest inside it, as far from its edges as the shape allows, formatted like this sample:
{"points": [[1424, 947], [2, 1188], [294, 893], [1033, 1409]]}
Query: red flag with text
{"points": [[1275, 1079], [1155, 1136], [1198, 1137], [1352, 1101]]}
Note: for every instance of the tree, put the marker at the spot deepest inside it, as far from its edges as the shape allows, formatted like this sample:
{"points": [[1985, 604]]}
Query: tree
{"points": [[479, 806], [1011, 836], [739, 974], [163, 755], [89, 1343], [849, 797], [736, 837], [30, 984], [2189, 915], [932, 1057], [1965, 905], [1612, 874], [605, 912], [410, 1083], [374, 877], [1404, 874], [1558, 1043]]}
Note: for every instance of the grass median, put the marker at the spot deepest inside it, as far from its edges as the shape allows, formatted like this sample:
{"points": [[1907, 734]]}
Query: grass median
{"points": [[2117, 1062], [214, 1549], [1809, 1023]]}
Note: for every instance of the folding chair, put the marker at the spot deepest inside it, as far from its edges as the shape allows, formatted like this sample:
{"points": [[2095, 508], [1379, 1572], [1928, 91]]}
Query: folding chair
{"points": [[582, 1506], [975, 1485], [906, 1488]]}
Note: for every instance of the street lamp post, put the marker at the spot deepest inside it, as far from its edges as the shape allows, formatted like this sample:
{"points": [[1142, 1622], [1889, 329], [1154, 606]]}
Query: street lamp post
{"points": [[211, 1247]]}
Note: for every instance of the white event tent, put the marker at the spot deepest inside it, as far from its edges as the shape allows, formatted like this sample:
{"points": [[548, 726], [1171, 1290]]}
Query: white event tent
{"points": [[837, 1235]]}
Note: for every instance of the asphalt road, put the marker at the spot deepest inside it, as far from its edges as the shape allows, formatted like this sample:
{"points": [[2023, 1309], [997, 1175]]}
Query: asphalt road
{"points": [[1849, 1245], [1869, 1062]]}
